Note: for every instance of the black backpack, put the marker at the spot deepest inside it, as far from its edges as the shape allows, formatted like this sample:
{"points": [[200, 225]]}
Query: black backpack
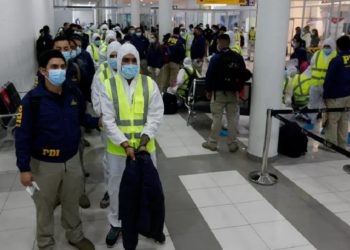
{"points": [[170, 103], [232, 72], [292, 141]]}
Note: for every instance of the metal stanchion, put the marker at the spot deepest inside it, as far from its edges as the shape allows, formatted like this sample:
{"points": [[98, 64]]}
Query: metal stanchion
{"points": [[263, 177]]}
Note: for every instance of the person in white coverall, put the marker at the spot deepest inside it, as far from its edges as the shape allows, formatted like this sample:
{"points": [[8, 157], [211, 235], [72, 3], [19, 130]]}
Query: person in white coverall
{"points": [[319, 65], [130, 102], [107, 70]]}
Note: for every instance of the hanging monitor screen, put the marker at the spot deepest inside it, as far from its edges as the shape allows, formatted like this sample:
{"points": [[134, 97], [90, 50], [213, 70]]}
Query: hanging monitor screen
{"points": [[221, 1]]}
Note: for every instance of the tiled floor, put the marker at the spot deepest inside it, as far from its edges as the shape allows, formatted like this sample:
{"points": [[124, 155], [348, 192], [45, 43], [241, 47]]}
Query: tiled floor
{"points": [[213, 206], [239, 216], [326, 182], [178, 140]]}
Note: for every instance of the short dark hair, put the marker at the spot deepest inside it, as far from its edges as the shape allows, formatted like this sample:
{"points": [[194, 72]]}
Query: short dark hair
{"points": [[75, 37], [343, 43], [176, 31], [190, 26], [46, 56], [60, 38], [223, 28], [225, 38], [46, 29]]}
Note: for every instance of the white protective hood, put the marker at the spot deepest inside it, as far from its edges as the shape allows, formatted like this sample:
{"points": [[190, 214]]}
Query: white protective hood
{"points": [[112, 47], [95, 36], [110, 35], [330, 41], [125, 49], [103, 26], [187, 62]]}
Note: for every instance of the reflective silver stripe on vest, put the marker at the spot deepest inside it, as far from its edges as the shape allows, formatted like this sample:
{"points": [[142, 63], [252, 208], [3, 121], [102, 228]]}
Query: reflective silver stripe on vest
{"points": [[136, 136], [146, 98], [300, 83], [116, 105], [105, 73], [113, 84]]}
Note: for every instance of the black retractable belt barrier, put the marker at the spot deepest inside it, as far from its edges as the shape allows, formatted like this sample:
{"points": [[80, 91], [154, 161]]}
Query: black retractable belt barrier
{"points": [[263, 177]]}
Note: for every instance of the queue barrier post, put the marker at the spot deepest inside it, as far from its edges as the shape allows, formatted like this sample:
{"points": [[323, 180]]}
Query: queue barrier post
{"points": [[263, 177]]}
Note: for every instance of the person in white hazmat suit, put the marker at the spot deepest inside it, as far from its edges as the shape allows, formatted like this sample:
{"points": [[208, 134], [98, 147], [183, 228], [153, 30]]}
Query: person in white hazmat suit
{"points": [[106, 70], [319, 65], [130, 102], [110, 37]]}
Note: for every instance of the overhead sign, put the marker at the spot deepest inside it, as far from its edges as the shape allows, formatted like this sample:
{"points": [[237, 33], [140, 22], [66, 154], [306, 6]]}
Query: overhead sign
{"points": [[222, 2]]}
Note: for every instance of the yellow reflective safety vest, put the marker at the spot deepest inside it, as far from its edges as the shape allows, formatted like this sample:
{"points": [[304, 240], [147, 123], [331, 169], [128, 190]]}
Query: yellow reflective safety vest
{"points": [[130, 119], [319, 69], [95, 52], [252, 35], [237, 48], [238, 38], [105, 71], [188, 43], [301, 89], [184, 88]]}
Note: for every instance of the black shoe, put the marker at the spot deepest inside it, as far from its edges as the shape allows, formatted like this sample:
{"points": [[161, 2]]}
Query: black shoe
{"points": [[104, 203], [160, 238], [112, 236]]}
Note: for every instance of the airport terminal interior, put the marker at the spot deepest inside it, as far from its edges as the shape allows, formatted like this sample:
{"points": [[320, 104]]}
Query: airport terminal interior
{"points": [[254, 197]]}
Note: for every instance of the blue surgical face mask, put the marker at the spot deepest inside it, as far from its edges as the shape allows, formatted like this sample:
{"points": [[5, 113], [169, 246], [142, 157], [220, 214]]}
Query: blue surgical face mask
{"points": [[98, 43], [113, 63], [67, 55], [57, 76], [327, 51], [74, 53], [78, 51], [138, 34], [129, 71]]}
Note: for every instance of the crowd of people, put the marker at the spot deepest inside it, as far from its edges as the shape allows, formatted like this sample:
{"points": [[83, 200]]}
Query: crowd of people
{"points": [[112, 79], [317, 76]]}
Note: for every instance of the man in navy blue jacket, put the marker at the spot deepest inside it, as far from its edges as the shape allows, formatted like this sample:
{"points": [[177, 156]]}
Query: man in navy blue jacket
{"points": [[47, 139], [337, 93], [141, 43], [198, 49], [176, 46]]}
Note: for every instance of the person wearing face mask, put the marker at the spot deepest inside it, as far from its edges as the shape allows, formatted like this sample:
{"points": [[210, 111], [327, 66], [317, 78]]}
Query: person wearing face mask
{"points": [[299, 52], [155, 60], [315, 39], [214, 41], [103, 31], [184, 79], [141, 43], [251, 42], [337, 94], [128, 99], [110, 37], [306, 36], [198, 49], [86, 66], [47, 139], [129, 35], [188, 40], [93, 49], [319, 65], [107, 70], [175, 47]]}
